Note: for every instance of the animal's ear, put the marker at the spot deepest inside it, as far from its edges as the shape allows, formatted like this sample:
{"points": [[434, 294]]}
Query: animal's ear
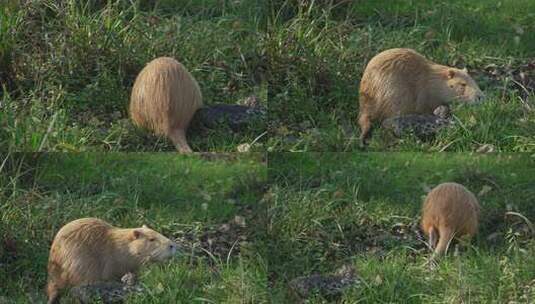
{"points": [[450, 73], [465, 70], [145, 226], [136, 234]]}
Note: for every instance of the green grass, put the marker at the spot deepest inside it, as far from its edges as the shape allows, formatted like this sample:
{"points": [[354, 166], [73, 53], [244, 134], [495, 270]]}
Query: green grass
{"points": [[170, 193], [66, 72], [330, 209], [67, 69], [319, 50]]}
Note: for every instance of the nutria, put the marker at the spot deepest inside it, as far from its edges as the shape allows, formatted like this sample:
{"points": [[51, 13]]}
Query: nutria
{"points": [[398, 82], [89, 250], [164, 99], [449, 210]]}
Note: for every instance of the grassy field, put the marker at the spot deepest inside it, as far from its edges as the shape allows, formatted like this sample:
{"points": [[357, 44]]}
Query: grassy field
{"points": [[181, 197], [318, 51], [332, 209], [249, 223], [67, 68]]}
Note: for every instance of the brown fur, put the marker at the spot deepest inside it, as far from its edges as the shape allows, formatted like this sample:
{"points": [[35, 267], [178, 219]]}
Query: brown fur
{"points": [[164, 99], [89, 250], [398, 82], [450, 210]]}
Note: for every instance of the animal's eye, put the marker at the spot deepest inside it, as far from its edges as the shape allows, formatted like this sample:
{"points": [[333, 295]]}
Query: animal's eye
{"points": [[463, 84], [152, 239]]}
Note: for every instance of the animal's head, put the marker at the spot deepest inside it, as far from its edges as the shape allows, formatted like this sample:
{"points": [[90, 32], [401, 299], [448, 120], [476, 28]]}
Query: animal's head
{"points": [[150, 246], [462, 87]]}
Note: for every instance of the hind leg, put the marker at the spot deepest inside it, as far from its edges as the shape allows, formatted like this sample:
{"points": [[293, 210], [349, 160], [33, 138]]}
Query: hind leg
{"points": [[365, 124], [178, 137], [52, 291], [445, 238], [433, 237]]}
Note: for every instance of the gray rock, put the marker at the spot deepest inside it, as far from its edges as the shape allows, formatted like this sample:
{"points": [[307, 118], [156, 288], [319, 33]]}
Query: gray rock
{"points": [[106, 292], [237, 117], [326, 285], [422, 126]]}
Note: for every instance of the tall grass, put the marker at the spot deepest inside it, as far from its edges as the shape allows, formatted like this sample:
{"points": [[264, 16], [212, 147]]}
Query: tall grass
{"points": [[332, 209], [319, 50], [70, 66], [174, 195]]}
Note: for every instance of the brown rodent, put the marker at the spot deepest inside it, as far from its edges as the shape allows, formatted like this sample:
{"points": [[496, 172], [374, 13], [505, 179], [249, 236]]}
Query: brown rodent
{"points": [[449, 210], [398, 82], [89, 250], [164, 99]]}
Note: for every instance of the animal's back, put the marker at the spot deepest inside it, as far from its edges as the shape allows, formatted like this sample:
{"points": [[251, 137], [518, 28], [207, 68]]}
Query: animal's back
{"points": [[82, 234], [78, 247], [391, 82], [165, 96], [451, 205]]}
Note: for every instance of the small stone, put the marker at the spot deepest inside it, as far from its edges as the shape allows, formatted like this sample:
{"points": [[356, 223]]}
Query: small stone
{"points": [[244, 148], [442, 112], [484, 190], [251, 101], [239, 220], [224, 228], [129, 279], [486, 148]]}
